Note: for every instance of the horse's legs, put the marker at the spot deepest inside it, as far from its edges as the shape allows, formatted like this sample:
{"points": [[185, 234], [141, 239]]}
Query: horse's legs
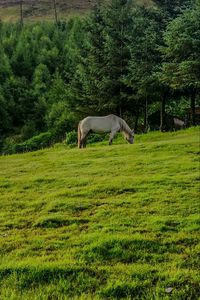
{"points": [[84, 142], [83, 139], [112, 134], [81, 144]]}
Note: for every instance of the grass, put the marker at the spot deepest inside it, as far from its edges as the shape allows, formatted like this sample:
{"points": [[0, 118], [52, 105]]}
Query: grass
{"points": [[118, 222]]}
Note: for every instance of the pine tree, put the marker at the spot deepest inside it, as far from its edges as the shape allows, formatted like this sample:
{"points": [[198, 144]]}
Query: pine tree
{"points": [[145, 59], [118, 23], [172, 8], [181, 68]]}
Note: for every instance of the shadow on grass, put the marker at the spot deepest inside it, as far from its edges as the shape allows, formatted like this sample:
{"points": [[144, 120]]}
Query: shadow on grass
{"points": [[127, 251], [55, 222], [70, 280]]}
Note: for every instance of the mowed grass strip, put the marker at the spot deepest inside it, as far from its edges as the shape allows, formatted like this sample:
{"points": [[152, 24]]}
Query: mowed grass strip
{"points": [[105, 222]]}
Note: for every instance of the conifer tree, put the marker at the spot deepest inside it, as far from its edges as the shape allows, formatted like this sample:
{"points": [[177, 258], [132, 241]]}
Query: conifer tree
{"points": [[145, 58], [172, 8], [181, 68], [118, 22]]}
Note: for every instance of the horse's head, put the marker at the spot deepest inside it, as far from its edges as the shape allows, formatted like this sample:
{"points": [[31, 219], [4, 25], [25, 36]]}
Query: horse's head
{"points": [[130, 137]]}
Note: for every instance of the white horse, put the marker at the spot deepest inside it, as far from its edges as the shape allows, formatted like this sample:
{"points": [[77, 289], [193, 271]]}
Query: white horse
{"points": [[109, 124]]}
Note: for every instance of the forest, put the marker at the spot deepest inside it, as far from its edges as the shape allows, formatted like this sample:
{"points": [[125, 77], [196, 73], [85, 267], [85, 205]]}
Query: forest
{"points": [[139, 62]]}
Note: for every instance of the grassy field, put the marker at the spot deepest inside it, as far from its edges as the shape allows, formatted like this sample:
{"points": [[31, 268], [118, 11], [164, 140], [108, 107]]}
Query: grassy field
{"points": [[105, 222]]}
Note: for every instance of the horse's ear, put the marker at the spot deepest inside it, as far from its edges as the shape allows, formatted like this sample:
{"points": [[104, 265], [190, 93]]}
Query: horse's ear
{"points": [[132, 130]]}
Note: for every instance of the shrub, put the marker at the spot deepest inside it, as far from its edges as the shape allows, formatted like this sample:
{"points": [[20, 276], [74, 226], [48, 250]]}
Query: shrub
{"points": [[37, 142], [94, 138], [71, 138], [28, 130]]}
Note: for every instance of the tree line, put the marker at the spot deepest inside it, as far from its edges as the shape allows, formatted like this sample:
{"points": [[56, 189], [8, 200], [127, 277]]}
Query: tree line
{"points": [[139, 62]]}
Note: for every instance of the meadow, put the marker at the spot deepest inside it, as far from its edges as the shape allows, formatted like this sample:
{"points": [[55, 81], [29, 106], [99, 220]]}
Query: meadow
{"points": [[105, 222]]}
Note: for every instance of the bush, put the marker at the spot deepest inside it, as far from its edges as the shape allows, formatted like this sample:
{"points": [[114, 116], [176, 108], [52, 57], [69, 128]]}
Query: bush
{"points": [[28, 130], [94, 138], [71, 138], [37, 142]]}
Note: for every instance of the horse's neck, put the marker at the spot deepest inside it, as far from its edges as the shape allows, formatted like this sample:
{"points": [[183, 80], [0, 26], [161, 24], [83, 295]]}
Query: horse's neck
{"points": [[124, 126]]}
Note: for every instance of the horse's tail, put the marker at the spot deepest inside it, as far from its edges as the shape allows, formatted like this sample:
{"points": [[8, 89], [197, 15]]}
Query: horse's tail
{"points": [[79, 135]]}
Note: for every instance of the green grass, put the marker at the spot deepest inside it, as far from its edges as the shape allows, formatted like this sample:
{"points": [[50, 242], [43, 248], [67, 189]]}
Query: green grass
{"points": [[105, 222]]}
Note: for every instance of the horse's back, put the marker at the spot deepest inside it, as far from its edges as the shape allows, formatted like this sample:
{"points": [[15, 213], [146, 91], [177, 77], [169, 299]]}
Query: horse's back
{"points": [[99, 124]]}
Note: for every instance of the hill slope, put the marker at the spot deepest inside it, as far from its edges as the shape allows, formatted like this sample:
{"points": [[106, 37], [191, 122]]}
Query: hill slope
{"points": [[40, 10], [43, 10], [104, 222]]}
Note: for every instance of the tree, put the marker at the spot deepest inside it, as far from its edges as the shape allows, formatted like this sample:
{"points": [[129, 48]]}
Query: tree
{"points": [[5, 119], [118, 23], [21, 12], [5, 69], [55, 11], [20, 100], [181, 67], [23, 58], [76, 67], [95, 60], [98, 79], [172, 8], [144, 61], [90, 65], [5, 74]]}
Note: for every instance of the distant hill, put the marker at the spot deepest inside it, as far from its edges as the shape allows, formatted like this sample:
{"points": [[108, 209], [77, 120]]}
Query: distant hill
{"points": [[43, 9], [34, 10]]}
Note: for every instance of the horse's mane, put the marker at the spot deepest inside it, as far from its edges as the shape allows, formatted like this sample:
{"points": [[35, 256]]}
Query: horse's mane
{"points": [[124, 126]]}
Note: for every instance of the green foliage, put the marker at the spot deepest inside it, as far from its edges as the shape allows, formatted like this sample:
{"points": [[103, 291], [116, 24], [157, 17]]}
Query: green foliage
{"points": [[100, 74], [145, 37], [5, 69], [94, 138], [40, 141], [71, 138], [28, 130], [5, 120], [181, 68], [172, 8], [41, 79]]}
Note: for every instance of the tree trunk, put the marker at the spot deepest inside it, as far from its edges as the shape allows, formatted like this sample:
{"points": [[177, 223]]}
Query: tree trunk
{"points": [[21, 13], [193, 96], [55, 11], [146, 125], [136, 121], [162, 113]]}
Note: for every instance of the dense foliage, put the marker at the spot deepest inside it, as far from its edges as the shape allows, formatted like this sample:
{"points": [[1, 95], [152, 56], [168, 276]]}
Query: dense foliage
{"points": [[121, 59]]}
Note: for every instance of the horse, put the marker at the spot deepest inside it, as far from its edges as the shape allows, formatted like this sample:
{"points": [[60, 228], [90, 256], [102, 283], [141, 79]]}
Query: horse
{"points": [[178, 123], [107, 124]]}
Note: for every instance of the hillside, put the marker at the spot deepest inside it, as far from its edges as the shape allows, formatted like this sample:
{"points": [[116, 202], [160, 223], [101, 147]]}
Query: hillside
{"points": [[103, 222], [40, 10], [43, 9]]}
